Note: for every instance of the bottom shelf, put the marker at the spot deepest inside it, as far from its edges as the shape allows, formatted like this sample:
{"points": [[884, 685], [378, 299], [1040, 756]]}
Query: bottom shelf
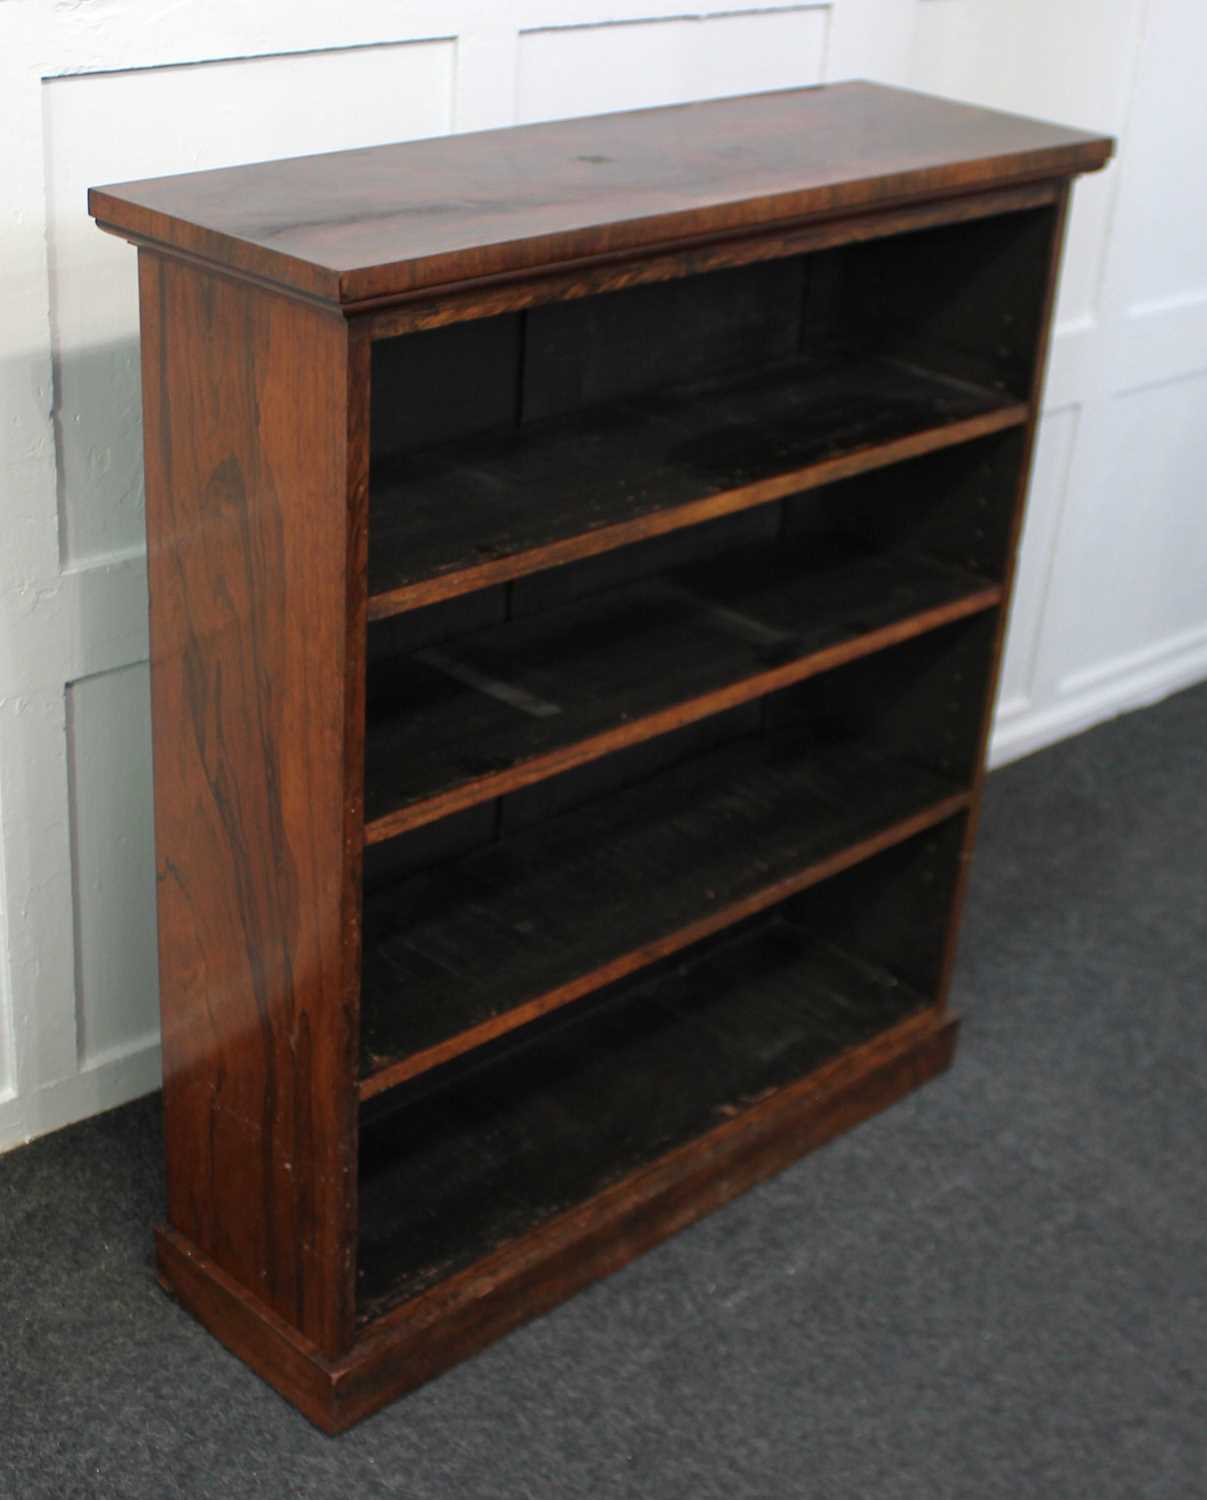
{"points": [[489, 1148], [452, 1320]]}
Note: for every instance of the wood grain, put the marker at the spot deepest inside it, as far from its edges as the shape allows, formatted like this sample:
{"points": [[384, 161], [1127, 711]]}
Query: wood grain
{"points": [[248, 1327], [252, 534], [490, 296], [377, 223]]}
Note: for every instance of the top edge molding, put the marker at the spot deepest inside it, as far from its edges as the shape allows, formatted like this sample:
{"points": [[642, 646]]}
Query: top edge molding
{"points": [[383, 222]]}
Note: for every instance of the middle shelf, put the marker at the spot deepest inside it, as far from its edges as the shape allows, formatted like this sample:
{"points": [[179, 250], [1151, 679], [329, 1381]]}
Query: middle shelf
{"points": [[455, 724], [465, 950]]}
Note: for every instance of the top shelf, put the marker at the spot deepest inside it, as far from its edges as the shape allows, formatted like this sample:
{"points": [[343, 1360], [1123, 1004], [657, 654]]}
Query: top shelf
{"points": [[475, 512], [357, 228]]}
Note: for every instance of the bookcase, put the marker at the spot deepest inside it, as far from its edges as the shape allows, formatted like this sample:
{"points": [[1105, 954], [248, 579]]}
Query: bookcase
{"points": [[579, 561]]}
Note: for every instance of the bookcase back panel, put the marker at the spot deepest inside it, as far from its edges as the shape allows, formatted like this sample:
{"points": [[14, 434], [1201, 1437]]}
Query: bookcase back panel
{"points": [[922, 702], [894, 910], [964, 299], [445, 384], [956, 506], [594, 350]]}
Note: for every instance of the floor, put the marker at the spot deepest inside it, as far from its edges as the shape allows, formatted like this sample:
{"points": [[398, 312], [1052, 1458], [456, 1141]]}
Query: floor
{"points": [[999, 1288]]}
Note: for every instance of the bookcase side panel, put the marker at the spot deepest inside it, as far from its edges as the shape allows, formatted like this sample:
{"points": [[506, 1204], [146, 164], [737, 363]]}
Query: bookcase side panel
{"points": [[1051, 249], [255, 501]]}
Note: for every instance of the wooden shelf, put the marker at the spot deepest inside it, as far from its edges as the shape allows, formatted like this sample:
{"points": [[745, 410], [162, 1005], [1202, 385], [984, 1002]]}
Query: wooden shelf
{"points": [[459, 954], [463, 515], [481, 1157], [507, 706]]}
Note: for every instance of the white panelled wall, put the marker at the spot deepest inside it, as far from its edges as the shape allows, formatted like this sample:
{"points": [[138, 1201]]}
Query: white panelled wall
{"points": [[1111, 610]]}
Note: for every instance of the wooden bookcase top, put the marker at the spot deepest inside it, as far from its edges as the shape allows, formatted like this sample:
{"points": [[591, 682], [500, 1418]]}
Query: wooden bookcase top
{"points": [[363, 227]]}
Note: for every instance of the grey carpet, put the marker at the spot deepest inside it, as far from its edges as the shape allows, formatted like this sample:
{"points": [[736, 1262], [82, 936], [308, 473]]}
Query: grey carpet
{"points": [[998, 1288]]}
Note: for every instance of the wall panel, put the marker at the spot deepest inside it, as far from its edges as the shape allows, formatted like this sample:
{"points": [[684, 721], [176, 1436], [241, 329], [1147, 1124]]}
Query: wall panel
{"points": [[1049, 486], [1111, 610], [582, 70], [117, 126], [113, 859], [1071, 62], [1163, 240], [8, 1072], [1147, 553]]}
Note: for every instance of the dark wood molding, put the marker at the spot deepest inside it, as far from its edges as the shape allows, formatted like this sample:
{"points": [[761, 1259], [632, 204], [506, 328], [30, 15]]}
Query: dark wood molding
{"points": [[331, 226], [488, 297]]}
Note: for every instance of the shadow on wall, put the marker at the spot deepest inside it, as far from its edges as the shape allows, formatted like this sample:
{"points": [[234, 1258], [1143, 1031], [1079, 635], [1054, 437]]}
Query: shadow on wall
{"points": [[98, 450], [98, 439], [113, 861]]}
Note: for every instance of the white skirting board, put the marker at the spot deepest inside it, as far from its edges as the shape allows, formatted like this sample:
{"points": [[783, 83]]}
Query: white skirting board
{"points": [[114, 1079], [1137, 681]]}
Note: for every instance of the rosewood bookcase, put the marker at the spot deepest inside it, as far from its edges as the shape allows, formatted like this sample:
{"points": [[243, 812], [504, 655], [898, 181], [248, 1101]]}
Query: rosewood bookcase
{"points": [[579, 561]]}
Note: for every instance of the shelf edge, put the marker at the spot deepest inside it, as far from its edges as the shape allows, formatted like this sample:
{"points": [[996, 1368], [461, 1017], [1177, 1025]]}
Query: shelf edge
{"points": [[674, 716], [631, 962], [433, 589]]}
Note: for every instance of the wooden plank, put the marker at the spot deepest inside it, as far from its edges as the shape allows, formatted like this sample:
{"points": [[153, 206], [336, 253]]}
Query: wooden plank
{"points": [[467, 950], [457, 518], [255, 726], [350, 226], [512, 704]]}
